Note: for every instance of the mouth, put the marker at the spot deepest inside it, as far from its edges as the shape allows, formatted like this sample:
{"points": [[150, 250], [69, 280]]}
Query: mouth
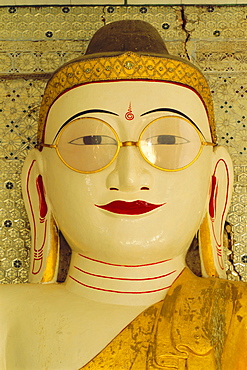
{"points": [[137, 207]]}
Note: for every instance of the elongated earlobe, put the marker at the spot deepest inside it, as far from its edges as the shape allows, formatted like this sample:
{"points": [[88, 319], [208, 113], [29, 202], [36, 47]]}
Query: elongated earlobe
{"points": [[212, 227], [44, 236]]}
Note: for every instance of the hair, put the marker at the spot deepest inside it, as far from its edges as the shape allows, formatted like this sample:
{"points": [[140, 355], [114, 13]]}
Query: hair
{"points": [[125, 50]]}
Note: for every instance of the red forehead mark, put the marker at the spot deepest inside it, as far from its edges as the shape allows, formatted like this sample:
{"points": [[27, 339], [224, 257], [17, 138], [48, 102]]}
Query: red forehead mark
{"points": [[129, 114]]}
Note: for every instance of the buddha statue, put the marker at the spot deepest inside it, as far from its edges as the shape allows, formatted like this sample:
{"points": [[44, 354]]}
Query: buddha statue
{"points": [[126, 172]]}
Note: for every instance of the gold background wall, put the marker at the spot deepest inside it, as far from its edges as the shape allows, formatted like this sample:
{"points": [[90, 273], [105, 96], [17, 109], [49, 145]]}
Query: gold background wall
{"points": [[34, 41]]}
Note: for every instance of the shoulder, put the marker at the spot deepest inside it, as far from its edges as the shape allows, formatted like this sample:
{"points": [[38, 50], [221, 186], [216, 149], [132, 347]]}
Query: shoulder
{"points": [[189, 278], [26, 300], [19, 291], [23, 297], [214, 290], [236, 291]]}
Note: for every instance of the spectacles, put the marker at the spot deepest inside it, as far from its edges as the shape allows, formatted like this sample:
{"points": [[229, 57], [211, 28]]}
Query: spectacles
{"points": [[169, 143]]}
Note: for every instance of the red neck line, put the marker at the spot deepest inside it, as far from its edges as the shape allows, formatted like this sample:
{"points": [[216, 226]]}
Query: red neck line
{"points": [[118, 265], [118, 291], [125, 279]]}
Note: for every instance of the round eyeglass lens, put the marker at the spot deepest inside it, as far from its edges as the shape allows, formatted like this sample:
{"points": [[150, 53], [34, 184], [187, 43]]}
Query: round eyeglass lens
{"points": [[87, 145], [170, 143]]}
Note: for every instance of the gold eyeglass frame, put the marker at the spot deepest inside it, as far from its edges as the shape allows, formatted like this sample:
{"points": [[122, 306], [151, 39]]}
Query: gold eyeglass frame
{"points": [[129, 143]]}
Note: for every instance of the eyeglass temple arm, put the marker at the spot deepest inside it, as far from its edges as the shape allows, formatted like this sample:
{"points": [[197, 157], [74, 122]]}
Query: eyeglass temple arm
{"points": [[47, 145], [206, 143]]}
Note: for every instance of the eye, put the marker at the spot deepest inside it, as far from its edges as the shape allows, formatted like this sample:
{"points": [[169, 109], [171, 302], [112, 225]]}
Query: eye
{"points": [[94, 140], [166, 140]]}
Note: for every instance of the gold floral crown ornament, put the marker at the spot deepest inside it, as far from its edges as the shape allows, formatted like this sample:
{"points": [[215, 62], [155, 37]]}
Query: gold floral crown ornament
{"points": [[126, 61]]}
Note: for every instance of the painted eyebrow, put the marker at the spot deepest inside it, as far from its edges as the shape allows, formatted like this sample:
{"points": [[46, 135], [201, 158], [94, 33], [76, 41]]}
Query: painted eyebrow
{"points": [[80, 114], [173, 111]]}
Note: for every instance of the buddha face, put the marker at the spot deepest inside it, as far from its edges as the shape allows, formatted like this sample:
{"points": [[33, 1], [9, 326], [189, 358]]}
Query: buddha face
{"points": [[130, 211]]}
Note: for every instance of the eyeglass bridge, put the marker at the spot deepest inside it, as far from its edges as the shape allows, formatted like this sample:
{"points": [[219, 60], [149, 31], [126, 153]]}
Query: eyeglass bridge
{"points": [[129, 143]]}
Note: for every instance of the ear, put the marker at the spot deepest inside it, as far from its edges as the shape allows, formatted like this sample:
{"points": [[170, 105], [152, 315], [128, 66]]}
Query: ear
{"points": [[44, 235], [212, 227]]}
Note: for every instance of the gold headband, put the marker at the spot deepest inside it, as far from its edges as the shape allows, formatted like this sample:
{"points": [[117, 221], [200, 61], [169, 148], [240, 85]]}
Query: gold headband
{"points": [[127, 66]]}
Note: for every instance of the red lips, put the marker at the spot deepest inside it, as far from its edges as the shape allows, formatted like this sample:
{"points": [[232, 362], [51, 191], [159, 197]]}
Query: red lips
{"points": [[137, 207]]}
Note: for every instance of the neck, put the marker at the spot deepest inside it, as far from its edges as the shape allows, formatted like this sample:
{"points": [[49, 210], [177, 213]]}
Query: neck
{"points": [[137, 285]]}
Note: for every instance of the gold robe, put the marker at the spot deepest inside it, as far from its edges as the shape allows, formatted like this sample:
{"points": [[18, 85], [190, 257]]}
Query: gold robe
{"points": [[200, 325]]}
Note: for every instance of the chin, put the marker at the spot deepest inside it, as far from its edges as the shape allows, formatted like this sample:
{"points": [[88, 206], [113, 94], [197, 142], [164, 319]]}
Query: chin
{"points": [[130, 242]]}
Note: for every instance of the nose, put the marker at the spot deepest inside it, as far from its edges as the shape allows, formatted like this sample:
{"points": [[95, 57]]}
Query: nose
{"points": [[130, 173]]}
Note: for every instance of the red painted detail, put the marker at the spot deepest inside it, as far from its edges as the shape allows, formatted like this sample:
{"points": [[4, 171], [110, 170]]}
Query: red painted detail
{"points": [[212, 202], [137, 207], [41, 194], [117, 291], [125, 279], [221, 262], [37, 264], [38, 254], [129, 114], [114, 264]]}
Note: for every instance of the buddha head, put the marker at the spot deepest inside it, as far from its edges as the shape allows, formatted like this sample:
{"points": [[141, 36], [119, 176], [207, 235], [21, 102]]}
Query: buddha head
{"points": [[127, 166]]}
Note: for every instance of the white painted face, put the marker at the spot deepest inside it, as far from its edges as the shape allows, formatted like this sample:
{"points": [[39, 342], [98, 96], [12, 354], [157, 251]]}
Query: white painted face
{"points": [[162, 233]]}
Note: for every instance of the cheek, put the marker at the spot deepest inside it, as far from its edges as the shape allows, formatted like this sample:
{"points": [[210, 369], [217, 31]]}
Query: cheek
{"points": [[187, 191], [68, 192]]}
